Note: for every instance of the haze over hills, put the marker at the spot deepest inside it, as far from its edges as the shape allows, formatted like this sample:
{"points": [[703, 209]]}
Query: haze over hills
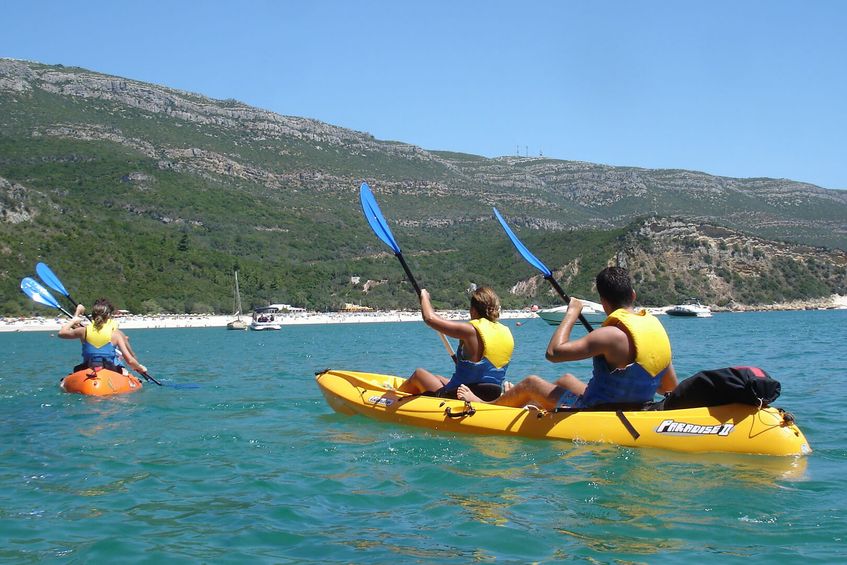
{"points": [[153, 196]]}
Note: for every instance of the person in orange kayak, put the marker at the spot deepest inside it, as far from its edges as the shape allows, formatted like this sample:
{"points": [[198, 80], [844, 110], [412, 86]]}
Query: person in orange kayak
{"points": [[631, 355], [103, 344], [485, 349]]}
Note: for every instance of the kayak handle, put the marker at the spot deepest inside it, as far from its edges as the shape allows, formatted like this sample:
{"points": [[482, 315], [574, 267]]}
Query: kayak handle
{"points": [[467, 410]]}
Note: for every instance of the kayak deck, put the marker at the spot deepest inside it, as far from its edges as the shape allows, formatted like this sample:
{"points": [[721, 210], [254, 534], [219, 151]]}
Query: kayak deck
{"points": [[729, 428], [102, 382]]}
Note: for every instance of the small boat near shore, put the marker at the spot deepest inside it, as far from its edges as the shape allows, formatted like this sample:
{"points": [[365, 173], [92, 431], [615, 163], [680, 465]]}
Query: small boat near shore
{"points": [[691, 309], [237, 323], [99, 382], [592, 311], [739, 428], [265, 318]]}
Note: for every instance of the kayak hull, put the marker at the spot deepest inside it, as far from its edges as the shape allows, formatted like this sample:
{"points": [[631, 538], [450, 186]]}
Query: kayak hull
{"points": [[734, 428], [99, 383]]}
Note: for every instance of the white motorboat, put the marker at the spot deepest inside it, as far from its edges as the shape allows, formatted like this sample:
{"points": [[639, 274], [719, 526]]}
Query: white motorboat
{"points": [[691, 309], [266, 318], [592, 311], [237, 323]]}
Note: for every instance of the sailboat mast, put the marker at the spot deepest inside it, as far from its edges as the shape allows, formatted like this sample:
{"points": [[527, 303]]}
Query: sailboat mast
{"points": [[237, 297]]}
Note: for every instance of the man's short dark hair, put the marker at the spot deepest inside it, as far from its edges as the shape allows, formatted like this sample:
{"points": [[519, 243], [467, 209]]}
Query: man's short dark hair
{"points": [[614, 285]]}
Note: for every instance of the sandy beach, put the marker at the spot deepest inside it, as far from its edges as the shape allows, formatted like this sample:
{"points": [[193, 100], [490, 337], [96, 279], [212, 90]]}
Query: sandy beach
{"points": [[300, 318], [210, 321]]}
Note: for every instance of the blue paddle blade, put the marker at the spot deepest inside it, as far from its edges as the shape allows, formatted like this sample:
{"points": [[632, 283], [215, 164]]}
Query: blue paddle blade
{"points": [[50, 279], [375, 218], [530, 258], [38, 293]]}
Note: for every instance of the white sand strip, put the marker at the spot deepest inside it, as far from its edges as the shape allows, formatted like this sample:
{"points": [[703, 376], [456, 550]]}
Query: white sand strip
{"points": [[202, 321]]}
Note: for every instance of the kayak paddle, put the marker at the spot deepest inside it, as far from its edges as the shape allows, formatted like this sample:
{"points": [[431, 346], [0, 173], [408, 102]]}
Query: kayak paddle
{"points": [[39, 294], [147, 376], [47, 275], [535, 262], [380, 227], [150, 379]]}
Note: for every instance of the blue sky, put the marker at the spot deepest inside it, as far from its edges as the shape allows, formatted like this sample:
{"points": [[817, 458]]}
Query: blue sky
{"points": [[736, 88]]}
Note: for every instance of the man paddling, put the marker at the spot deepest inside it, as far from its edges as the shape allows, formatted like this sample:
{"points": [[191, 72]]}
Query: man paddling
{"points": [[631, 355]]}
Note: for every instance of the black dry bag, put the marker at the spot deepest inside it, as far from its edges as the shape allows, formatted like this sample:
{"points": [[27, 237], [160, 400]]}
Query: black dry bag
{"points": [[744, 385]]}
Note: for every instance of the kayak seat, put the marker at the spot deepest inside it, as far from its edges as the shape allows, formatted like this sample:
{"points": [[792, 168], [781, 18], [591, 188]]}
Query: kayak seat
{"points": [[98, 364], [485, 391]]}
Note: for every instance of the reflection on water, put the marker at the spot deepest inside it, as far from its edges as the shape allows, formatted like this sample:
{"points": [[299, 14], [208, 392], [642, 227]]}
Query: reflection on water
{"points": [[498, 447], [103, 415], [620, 543], [111, 487], [483, 508], [626, 495], [758, 470], [351, 437]]}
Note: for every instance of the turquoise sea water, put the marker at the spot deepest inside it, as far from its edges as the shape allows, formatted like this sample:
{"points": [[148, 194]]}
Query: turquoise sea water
{"points": [[253, 466]]}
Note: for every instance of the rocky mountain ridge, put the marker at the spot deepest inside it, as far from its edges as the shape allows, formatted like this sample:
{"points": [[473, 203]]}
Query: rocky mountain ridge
{"points": [[220, 182], [554, 194]]}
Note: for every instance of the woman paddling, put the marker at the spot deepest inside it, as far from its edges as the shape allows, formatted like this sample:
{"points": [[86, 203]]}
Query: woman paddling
{"points": [[485, 349], [103, 344]]}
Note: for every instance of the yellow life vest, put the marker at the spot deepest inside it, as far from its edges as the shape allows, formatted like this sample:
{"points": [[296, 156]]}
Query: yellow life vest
{"points": [[99, 338], [497, 341], [652, 346]]}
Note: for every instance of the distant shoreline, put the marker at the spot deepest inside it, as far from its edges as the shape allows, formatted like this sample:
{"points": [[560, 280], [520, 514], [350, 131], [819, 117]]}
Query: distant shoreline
{"points": [[833, 302], [306, 318], [216, 321]]}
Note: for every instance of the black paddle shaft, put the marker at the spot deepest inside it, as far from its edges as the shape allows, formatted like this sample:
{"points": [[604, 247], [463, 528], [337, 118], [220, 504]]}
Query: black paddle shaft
{"points": [[418, 290], [409, 273], [75, 303], [65, 312], [147, 376], [567, 300]]}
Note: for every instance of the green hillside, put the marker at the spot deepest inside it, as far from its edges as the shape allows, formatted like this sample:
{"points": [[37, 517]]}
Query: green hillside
{"points": [[153, 197]]}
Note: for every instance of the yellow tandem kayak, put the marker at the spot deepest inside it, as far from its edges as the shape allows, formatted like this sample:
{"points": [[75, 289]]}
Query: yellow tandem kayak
{"points": [[738, 428]]}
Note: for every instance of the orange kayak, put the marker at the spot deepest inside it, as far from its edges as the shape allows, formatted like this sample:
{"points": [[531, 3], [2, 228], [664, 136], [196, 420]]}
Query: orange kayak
{"points": [[101, 382]]}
